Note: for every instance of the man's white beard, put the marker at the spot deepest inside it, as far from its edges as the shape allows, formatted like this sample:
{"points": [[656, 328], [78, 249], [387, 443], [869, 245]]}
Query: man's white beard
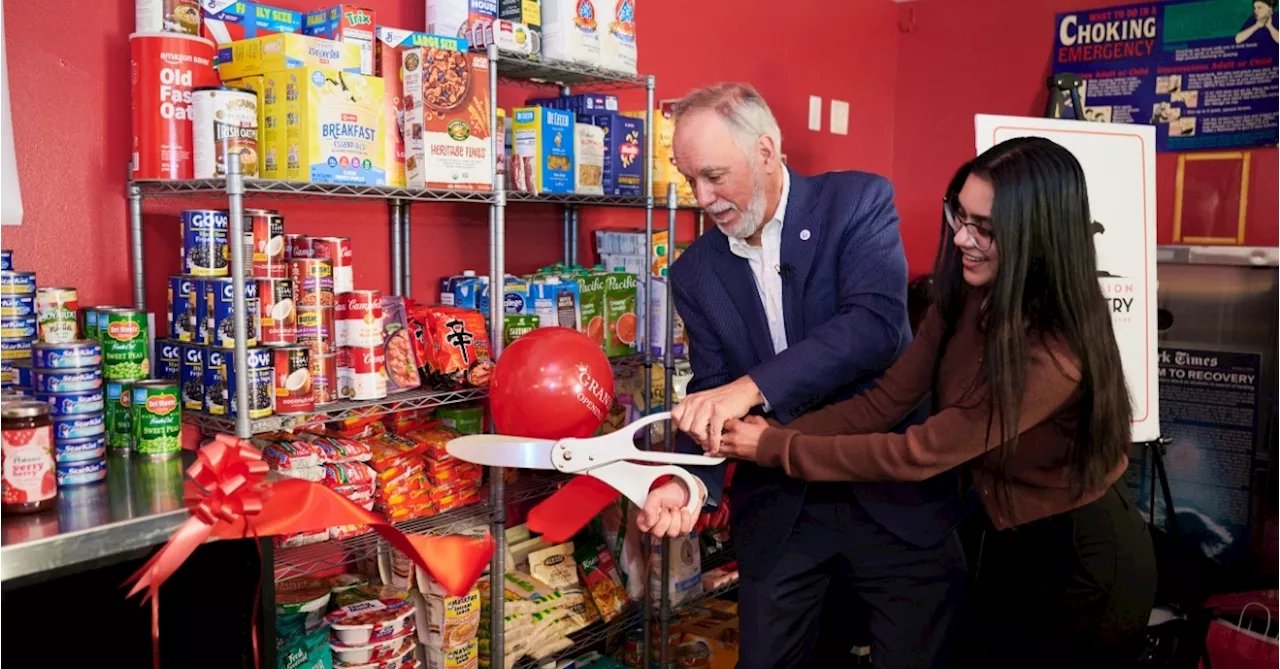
{"points": [[749, 221]]}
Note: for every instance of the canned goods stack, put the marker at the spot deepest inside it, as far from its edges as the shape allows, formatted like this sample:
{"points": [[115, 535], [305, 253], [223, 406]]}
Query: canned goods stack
{"points": [[316, 322], [126, 360], [17, 320], [68, 375], [362, 357]]}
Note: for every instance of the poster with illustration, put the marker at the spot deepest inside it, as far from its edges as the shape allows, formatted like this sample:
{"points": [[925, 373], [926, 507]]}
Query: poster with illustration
{"points": [[1204, 73], [1119, 168]]}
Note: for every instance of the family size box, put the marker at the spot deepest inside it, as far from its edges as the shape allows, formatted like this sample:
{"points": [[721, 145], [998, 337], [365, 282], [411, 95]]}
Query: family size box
{"points": [[348, 24], [571, 31], [333, 125], [284, 51], [446, 120], [542, 160], [624, 147], [388, 54], [457, 18], [227, 21]]}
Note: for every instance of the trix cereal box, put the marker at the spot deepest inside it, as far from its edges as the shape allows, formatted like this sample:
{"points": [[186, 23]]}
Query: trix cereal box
{"points": [[345, 23], [542, 156], [457, 18], [624, 147], [446, 120], [388, 53], [333, 125], [227, 21], [285, 51]]}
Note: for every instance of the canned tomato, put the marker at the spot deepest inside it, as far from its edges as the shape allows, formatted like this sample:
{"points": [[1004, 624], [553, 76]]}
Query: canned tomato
{"points": [[316, 329], [324, 379], [261, 382], [17, 283], [224, 121], [6, 259], [15, 349], [215, 380], [66, 380], [362, 373], [126, 353], [191, 374], [17, 306], [182, 307], [221, 309], [83, 426], [81, 473], [92, 315], [72, 404], [175, 16], [119, 416], [157, 418], [18, 328], [165, 68], [72, 354], [168, 359], [205, 242], [57, 312], [80, 449], [293, 394], [338, 251], [358, 317], [297, 246], [313, 278], [277, 320], [267, 227]]}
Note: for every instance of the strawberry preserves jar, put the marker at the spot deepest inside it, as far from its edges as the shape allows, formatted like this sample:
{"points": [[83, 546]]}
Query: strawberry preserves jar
{"points": [[26, 458]]}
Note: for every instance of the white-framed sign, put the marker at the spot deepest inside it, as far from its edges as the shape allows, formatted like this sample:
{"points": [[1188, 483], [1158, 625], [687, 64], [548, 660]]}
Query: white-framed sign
{"points": [[1119, 162]]}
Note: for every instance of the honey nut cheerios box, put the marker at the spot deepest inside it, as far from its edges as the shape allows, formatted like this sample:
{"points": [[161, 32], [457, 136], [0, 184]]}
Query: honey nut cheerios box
{"points": [[329, 125], [446, 120], [284, 51], [388, 53]]}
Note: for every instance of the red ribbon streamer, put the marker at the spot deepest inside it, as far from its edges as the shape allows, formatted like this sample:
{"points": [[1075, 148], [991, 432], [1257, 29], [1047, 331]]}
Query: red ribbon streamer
{"points": [[230, 499]]}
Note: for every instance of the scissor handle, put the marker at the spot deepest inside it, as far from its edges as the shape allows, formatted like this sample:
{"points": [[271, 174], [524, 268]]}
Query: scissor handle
{"points": [[634, 481]]}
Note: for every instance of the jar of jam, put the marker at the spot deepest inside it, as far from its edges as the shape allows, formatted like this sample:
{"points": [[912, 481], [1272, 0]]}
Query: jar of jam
{"points": [[26, 458]]}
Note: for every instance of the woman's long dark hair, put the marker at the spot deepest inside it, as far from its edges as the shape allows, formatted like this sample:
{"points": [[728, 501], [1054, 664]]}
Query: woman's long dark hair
{"points": [[1046, 285]]}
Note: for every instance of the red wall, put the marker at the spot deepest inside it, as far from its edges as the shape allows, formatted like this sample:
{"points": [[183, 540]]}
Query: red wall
{"points": [[957, 58], [70, 98]]}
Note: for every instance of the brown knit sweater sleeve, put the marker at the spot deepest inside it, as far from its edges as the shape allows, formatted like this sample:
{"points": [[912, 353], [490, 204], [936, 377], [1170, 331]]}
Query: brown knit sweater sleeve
{"points": [[948, 438], [886, 403]]}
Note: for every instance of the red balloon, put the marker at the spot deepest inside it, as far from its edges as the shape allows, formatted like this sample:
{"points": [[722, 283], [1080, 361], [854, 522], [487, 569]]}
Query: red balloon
{"points": [[551, 383]]}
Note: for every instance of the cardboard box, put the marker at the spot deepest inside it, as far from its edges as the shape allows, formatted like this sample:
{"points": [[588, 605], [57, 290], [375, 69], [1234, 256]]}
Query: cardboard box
{"points": [[227, 21], [718, 637], [457, 18], [389, 51], [624, 153], [333, 125], [446, 122], [285, 51], [542, 160], [582, 103], [345, 23], [589, 159], [267, 135]]}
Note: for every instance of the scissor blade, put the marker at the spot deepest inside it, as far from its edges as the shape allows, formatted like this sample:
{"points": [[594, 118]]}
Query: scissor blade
{"points": [[497, 450]]}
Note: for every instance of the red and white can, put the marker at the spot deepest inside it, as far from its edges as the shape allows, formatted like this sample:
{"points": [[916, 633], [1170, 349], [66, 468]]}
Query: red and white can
{"points": [[362, 372], [358, 316], [313, 277], [324, 379], [278, 312], [293, 387], [164, 68], [297, 246], [337, 250]]}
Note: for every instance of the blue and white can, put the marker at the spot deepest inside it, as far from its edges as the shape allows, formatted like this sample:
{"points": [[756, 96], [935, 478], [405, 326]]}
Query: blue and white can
{"points": [[168, 360], [67, 355], [66, 380], [82, 426], [220, 294], [6, 259], [81, 450], [215, 380], [22, 327], [17, 283], [15, 349], [183, 307], [191, 376], [205, 236], [80, 473], [73, 404], [17, 306]]}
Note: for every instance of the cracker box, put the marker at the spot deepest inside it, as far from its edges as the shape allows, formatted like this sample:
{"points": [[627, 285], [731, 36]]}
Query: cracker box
{"points": [[345, 23], [457, 18], [333, 125], [624, 149], [618, 35], [446, 120], [284, 51], [570, 31], [267, 135], [542, 160], [388, 52], [227, 21], [588, 158]]}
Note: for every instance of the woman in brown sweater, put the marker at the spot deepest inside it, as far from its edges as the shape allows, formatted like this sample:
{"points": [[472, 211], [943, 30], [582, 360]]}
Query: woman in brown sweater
{"points": [[1029, 395]]}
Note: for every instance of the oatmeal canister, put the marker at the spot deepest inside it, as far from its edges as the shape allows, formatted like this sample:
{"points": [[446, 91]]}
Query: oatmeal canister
{"points": [[57, 312], [157, 418], [293, 394], [165, 68], [266, 227], [26, 458], [278, 320], [358, 316], [224, 122]]}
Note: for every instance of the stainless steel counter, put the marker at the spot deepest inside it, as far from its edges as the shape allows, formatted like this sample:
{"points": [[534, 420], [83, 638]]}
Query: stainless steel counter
{"points": [[138, 506]]}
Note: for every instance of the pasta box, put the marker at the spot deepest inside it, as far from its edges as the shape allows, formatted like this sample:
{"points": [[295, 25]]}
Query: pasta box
{"points": [[389, 51], [582, 103], [227, 21], [542, 160], [624, 158], [446, 119], [345, 23]]}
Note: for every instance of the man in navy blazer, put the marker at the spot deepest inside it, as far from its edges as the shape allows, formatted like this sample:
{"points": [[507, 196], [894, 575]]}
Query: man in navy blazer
{"points": [[797, 299]]}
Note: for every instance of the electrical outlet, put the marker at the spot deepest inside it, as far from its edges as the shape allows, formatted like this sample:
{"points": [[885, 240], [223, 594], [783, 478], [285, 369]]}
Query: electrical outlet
{"points": [[815, 113], [839, 117]]}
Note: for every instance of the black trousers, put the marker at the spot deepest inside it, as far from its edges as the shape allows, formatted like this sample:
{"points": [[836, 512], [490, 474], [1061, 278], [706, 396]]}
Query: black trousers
{"points": [[1072, 590]]}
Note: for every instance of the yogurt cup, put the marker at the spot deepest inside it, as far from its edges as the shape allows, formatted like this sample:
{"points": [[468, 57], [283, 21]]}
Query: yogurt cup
{"points": [[80, 473], [405, 661], [374, 653], [372, 621]]}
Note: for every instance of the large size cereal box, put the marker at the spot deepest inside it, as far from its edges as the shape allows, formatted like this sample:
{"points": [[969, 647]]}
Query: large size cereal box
{"points": [[388, 54], [345, 23], [333, 125], [227, 21], [446, 120], [283, 51], [542, 158]]}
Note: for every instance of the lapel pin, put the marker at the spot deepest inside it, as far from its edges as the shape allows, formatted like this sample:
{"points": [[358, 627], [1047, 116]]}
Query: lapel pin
{"points": [[804, 235]]}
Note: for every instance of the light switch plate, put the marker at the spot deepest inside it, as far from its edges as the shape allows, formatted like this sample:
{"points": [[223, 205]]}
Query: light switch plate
{"points": [[815, 113], [839, 117]]}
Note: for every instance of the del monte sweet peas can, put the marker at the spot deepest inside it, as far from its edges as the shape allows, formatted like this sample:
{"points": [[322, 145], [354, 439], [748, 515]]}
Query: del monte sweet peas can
{"points": [[125, 350], [157, 418]]}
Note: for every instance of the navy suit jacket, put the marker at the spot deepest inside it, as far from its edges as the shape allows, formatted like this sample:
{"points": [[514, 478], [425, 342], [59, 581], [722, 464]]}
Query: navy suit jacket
{"points": [[845, 306]]}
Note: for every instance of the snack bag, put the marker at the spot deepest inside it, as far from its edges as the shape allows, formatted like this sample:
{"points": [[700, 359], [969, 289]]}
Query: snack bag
{"points": [[460, 347], [402, 361]]}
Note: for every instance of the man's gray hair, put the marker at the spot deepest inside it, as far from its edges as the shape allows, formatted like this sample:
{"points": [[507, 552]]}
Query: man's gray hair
{"points": [[741, 107]]}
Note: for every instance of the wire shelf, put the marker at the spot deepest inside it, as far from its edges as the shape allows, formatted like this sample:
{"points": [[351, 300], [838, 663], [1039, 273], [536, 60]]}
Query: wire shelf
{"points": [[516, 71], [272, 189], [422, 398], [574, 198]]}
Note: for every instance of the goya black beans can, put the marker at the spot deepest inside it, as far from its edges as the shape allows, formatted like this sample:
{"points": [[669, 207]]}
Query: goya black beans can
{"points": [[215, 379], [191, 374], [67, 355], [200, 307], [168, 360], [205, 250], [182, 307], [261, 382], [157, 418], [126, 351], [220, 294], [119, 416]]}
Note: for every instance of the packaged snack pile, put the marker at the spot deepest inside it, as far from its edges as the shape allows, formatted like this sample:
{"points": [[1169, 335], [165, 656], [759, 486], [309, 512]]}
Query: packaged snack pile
{"points": [[451, 345]]}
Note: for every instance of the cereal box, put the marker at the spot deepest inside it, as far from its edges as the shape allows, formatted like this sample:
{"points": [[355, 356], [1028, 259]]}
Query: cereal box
{"points": [[446, 120], [588, 154], [664, 159], [272, 145], [388, 53], [284, 51], [227, 21], [570, 31], [457, 18], [624, 149], [345, 23], [542, 160], [333, 125], [618, 35]]}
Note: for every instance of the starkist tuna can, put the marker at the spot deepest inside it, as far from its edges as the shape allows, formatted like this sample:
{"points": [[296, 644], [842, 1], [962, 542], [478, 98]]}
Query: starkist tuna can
{"points": [[164, 69]]}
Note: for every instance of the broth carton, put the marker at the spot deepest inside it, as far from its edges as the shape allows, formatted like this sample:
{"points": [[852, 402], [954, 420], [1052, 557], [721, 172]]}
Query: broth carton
{"points": [[446, 122], [542, 156], [621, 317], [556, 302], [388, 53], [348, 24]]}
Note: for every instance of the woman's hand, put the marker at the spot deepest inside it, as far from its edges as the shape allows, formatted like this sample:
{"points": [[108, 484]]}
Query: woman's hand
{"points": [[741, 438]]}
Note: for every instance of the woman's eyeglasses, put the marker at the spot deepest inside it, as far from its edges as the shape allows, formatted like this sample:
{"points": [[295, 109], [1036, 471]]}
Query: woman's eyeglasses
{"points": [[980, 237]]}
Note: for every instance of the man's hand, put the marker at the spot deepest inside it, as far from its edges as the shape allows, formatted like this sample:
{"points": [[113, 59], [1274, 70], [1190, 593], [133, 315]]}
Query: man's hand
{"points": [[703, 415], [664, 513], [742, 437]]}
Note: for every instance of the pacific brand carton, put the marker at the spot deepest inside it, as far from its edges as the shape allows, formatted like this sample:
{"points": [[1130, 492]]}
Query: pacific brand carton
{"points": [[345, 23], [591, 292], [624, 148], [285, 51], [542, 158], [621, 317], [333, 125], [227, 21], [456, 18], [446, 119]]}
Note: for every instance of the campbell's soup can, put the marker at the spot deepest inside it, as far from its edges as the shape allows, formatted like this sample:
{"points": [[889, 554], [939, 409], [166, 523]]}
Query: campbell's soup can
{"points": [[313, 278], [324, 378], [338, 251], [297, 246], [293, 393], [358, 318], [224, 122], [164, 69], [174, 16], [278, 322], [267, 229], [362, 372]]}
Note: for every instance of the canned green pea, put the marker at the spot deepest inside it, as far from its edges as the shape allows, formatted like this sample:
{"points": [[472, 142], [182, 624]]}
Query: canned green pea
{"points": [[126, 353], [119, 416], [157, 418]]}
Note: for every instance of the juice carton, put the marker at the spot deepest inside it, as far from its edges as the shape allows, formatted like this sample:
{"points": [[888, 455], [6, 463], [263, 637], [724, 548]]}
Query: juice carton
{"points": [[621, 317], [514, 325], [389, 51], [466, 293], [542, 160], [664, 253], [591, 289], [333, 125], [345, 23], [556, 302], [446, 120], [656, 306], [284, 51]]}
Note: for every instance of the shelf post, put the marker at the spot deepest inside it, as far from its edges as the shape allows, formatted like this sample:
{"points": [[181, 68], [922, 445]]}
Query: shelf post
{"points": [[573, 235], [396, 206], [135, 242], [497, 276], [650, 132], [669, 365], [566, 234], [406, 268], [240, 320]]}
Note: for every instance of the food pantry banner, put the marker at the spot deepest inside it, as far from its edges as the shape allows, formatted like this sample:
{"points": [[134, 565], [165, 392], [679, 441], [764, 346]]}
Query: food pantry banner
{"points": [[1204, 72], [1119, 164]]}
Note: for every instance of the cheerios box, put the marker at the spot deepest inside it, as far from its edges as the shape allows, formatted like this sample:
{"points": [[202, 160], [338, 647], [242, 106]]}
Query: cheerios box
{"points": [[388, 53], [447, 142], [542, 150], [333, 125], [284, 51]]}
